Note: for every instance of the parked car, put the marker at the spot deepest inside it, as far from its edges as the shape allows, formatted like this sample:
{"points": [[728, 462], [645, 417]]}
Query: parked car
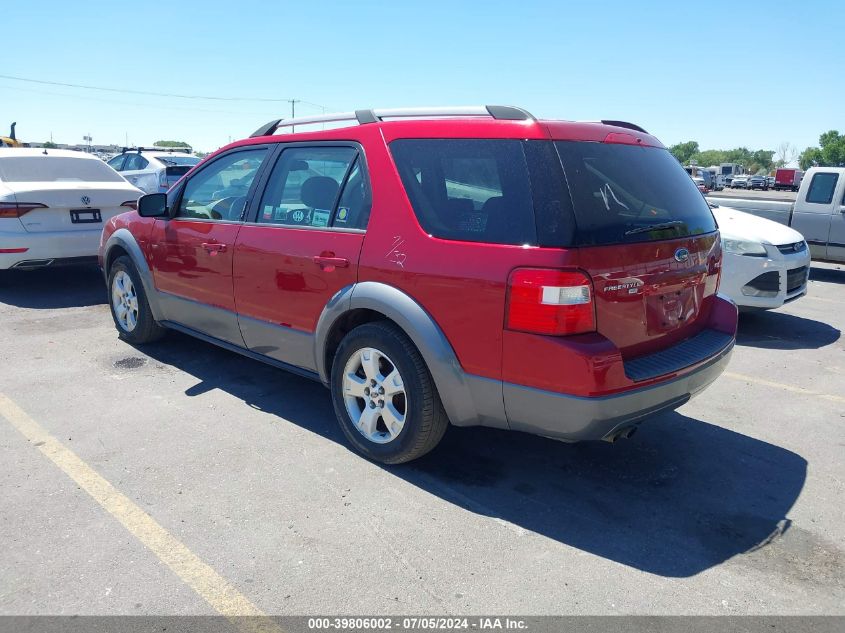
{"points": [[788, 179], [53, 204], [740, 182], [765, 263], [770, 181], [433, 266], [151, 169], [818, 212], [758, 182], [702, 186]]}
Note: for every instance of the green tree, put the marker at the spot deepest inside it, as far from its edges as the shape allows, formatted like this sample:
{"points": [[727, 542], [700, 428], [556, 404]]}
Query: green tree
{"points": [[831, 152], [684, 151], [171, 144], [710, 157], [50, 145], [809, 157]]}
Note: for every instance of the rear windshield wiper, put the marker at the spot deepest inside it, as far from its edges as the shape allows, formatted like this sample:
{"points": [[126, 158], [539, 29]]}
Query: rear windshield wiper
{"points": [[662, 226]]}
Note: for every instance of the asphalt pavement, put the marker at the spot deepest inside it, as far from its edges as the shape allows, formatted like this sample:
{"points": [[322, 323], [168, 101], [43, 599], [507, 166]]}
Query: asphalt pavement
{"points": [[179, 478]]}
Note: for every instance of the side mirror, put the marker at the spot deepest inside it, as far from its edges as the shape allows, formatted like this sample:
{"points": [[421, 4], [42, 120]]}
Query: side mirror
{"points": [[153, 205]]}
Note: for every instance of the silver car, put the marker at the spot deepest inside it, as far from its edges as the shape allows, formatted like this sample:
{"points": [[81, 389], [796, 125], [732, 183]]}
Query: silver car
{"points": [[153, 170]]}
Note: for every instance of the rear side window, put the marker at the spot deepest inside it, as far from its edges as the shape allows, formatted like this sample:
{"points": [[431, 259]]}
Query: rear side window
{"points": [[475, 190], [626, 193], [55, 169], [821, 188]]}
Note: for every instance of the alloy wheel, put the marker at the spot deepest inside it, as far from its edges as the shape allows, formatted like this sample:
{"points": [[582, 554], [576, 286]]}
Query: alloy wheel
{"points": [[374, 394], [124, 301]]}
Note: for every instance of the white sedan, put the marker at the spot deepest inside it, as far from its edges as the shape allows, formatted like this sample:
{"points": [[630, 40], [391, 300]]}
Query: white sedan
{"points": [[53, 204], [765, 264]]}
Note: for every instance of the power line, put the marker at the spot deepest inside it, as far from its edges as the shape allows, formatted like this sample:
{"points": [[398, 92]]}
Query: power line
{"points": [[138, 105], [152, 94]]}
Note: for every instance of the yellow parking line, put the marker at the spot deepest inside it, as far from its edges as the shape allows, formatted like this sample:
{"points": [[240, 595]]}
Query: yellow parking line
{"points": [[790, 388], [194, 572]]}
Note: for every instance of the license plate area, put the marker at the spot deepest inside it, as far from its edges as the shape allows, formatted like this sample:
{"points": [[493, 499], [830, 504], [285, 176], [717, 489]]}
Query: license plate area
{"points": [[85, 216], [669, 310]]}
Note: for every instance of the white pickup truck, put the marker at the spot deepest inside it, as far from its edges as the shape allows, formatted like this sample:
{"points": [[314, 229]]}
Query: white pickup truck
{"points": [[818, 212]]}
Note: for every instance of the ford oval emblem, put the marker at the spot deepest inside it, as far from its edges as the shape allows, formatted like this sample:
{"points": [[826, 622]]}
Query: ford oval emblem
{"points": [[86, 200], [681, 255]]}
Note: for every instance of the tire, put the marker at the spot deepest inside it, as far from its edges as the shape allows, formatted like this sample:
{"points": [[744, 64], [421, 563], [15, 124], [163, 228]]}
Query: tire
{"points": [[377, 433], [130, 295]]}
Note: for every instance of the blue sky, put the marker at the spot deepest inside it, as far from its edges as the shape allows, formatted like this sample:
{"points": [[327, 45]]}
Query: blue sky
{"points": [[724, 74]]}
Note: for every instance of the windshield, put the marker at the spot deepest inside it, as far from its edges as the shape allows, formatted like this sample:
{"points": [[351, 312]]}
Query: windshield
{"points": [[626, 193], [190, 161], [55, 169]]}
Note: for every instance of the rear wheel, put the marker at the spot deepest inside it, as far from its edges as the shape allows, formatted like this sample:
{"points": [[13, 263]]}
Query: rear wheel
{"points": [[129, 307], [384, 397]]}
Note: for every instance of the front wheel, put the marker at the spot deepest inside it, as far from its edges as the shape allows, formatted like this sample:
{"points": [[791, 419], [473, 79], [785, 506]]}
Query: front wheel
{"points": [[129, 307], [384, 396]]}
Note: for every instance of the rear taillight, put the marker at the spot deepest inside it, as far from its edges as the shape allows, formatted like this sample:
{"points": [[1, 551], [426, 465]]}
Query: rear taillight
{"points": [[162, 178], [132, 204], [554, 302], [17, 209]]}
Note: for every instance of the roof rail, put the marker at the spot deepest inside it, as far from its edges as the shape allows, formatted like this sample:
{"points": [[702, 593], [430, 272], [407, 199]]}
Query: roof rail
{"points": [[630, 126], [363, 117], [184, 150]]}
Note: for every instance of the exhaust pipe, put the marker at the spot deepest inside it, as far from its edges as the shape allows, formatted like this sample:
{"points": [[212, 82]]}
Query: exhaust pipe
{"points": [[31, 264], [623, 433]]}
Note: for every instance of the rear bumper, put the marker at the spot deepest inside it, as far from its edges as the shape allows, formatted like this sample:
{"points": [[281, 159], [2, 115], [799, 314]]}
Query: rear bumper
{"points": [[48, 246], [577, 418]]}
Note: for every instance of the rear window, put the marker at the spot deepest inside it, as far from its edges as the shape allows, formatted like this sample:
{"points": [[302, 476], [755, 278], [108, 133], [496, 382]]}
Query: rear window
{"points": [[55, 169], [628, 193], [190, 161], [821, 188], [506, 191]]}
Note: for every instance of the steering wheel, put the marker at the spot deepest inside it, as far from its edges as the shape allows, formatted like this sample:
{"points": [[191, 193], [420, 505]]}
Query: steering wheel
{"points": [[225, 207]]}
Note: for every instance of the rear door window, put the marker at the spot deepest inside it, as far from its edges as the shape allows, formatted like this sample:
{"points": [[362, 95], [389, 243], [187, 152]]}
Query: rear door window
{"points": [[134, 162], [625, 193], [304, 188], [822, 188], [116, 163], [475, 190]]}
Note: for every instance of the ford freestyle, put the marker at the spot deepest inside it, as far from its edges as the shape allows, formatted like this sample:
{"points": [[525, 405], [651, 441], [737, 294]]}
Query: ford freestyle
{"points": [[472, 266]]}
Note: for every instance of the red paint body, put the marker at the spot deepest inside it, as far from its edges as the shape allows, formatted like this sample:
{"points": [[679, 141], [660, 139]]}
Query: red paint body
{"points": [[269, 273]]}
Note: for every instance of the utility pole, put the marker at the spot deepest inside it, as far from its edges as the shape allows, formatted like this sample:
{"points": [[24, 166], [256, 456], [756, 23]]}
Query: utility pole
{"points": [[293, 103]]}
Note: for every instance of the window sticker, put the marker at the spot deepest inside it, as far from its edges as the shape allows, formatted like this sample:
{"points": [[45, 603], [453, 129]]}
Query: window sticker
{"points": [[267, 213], [319, 217], [473, 222], [343, 214]]}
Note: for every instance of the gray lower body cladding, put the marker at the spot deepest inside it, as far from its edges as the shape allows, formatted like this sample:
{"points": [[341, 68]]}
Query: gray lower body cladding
{"points": [[577, 418]]}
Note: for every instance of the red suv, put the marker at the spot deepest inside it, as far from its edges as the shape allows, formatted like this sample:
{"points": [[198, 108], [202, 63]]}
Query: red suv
{"points": [[474, 266]]}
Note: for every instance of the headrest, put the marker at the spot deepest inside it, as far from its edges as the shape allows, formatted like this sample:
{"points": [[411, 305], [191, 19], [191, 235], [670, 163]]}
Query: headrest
{"points": [[319, 192]]}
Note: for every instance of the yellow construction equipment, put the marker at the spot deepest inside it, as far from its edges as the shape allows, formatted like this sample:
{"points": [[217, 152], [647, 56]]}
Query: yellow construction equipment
{"points": [[10, 141]]}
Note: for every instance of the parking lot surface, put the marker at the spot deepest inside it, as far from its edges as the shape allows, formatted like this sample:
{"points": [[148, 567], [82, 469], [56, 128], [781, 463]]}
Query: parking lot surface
{"points": [[183, 479], [755, 194]]}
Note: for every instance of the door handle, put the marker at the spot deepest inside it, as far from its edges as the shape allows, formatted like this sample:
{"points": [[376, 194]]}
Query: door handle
{"points": [[330, 263], [214, 248]]}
